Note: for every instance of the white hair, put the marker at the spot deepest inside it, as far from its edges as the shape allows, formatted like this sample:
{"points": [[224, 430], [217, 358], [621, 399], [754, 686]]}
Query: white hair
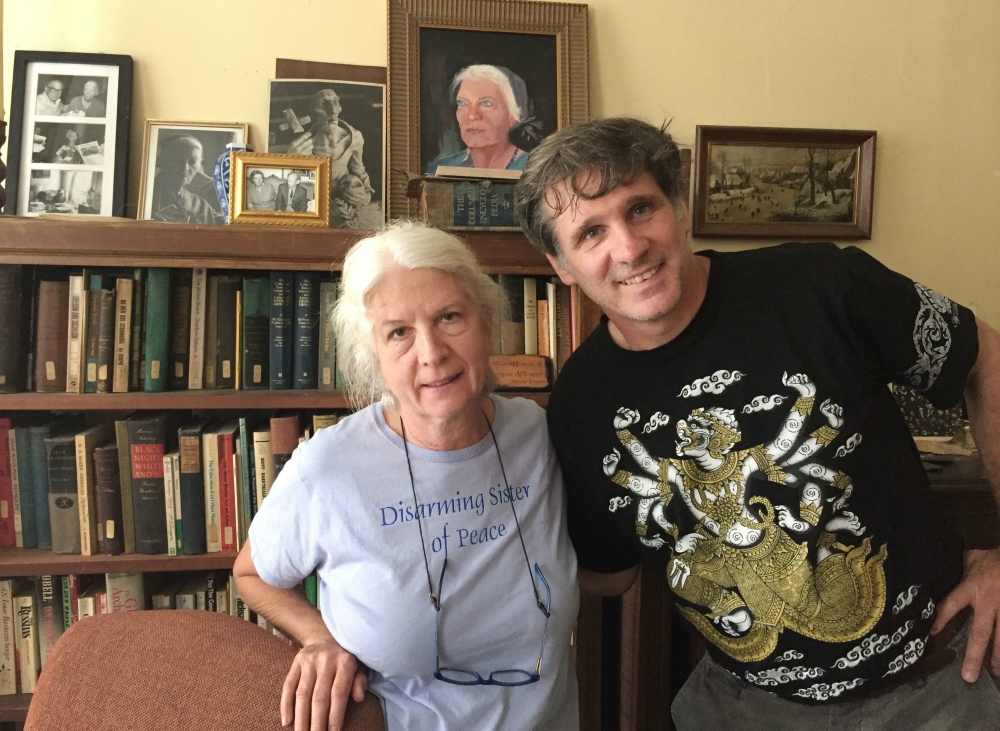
{"points": [[409, 245], [498, 77]]}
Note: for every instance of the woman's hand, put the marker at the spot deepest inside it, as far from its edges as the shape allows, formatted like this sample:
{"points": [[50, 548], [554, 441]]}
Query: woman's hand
{"points": [[322, 677]]}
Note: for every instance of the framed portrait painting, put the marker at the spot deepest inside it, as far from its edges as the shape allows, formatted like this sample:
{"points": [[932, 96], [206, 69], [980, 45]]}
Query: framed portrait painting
{"points": [[762, 182], [177, 163], [277, 189], [481, 85], [69, 131]]}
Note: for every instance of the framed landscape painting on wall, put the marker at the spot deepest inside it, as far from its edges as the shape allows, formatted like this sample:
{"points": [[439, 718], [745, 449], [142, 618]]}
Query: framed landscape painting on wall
{"points": [[69, 130], [480, 87]]}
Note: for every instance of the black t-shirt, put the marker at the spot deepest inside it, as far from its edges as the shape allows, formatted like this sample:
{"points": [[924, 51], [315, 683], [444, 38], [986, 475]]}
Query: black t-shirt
{"points": [[761, 460]]}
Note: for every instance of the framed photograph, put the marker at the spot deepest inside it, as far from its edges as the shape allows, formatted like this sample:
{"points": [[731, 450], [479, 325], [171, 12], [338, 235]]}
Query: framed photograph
{"points": [[277, 189], [344, 121], [69, 130], [778, 182], [479, 85], [177, 163]]}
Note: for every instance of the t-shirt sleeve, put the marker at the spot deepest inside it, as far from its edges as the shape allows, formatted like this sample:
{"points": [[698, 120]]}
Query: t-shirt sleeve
{"points": [[913, 334], [599, 545], [283, 535]]}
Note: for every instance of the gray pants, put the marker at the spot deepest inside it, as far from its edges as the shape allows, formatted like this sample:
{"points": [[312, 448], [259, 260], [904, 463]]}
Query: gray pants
{"points": [[714, 699]]}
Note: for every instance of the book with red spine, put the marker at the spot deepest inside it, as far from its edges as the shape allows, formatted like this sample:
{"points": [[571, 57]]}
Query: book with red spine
{"points": [[227, 487]]}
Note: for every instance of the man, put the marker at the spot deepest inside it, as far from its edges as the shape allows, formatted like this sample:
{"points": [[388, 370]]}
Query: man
{"points": [[178, 168], [49, 102], [729, 420], [291, 195], [87, 104]]}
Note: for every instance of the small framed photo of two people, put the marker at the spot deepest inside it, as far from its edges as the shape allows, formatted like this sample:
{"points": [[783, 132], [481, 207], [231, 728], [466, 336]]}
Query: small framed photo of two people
{"points": [[69, 132], [491, 80], [283, 190], [341, 120], [178, 159]]}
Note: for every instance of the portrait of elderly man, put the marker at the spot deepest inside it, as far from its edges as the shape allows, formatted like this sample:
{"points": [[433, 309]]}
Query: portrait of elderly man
{"points": [[182, 192], [292, 196], [489, 101], [87, 104], [49, 103]]}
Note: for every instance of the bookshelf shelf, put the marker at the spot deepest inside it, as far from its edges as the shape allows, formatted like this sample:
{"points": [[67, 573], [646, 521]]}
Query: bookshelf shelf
{"points": [[14, 708], [150, 244], [192, 400], [38, 562]]}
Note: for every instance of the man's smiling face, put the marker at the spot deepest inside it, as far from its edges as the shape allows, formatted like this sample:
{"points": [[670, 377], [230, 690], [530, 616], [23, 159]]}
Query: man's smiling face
{"points": [[628, 250]]}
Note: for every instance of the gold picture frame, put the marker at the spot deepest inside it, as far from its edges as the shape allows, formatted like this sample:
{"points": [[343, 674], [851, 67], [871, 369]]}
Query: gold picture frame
{"points": [[250, 207], [213, 137], [503, 33]]}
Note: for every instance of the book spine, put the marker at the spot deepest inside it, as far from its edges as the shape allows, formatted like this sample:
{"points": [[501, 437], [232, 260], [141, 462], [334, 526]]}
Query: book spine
{"points": [[192, 492], [227, 494], [168, 503], [106, 342], [304, 350], [107, 474], [10, 447], [92, 339], [50, 616], [125, 592], [147, 441], [512, 330], [8, 635], [27, 641], [256, 328], [20, 458], [282, 312], [178, 514], [246, 484], [86, 498], [123, 335], [196, 346], [210, 454], [125, 481], [74, 343], [211, 332], [64, 513], [67, 612], [327, 338], [225, 359], [136, 367], [263, 465], [157, 328], [11, 305], [530, 316], [284, 440], [180, 329], [543, 329], [72, 589], [40, 480], [550, 294], [8, 528], [50, 354], [564, 325]]}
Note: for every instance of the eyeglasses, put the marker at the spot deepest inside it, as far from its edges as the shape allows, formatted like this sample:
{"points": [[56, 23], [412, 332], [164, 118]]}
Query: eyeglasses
{"points": [[457, 676]]}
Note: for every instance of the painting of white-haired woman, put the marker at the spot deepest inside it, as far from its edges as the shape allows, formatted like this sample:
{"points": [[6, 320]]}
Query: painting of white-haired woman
{"points": [[490, 102], [434, 517]]}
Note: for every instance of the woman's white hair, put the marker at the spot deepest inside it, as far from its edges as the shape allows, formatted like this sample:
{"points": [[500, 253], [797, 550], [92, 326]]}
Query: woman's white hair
{"points": [[408, 245], [498, 77]]}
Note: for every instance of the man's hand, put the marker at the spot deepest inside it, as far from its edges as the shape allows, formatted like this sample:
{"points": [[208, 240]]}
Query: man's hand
{"points": [[315, 693], [980, 589]]}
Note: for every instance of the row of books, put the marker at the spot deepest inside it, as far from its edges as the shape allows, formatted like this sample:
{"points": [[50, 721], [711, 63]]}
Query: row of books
{"points": [[153, 483], [158, 329], [34, 612]]}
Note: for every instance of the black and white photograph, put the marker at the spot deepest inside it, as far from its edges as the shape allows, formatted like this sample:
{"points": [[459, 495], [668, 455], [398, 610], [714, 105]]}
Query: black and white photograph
{"points": [[69, 127], [280, 189], [68, 144], [341, 120], [177, 170], [66, 191], [64, 95], [486, 98]]}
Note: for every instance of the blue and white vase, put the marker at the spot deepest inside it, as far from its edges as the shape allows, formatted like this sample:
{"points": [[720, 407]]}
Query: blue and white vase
{"points": [[221, 175]]}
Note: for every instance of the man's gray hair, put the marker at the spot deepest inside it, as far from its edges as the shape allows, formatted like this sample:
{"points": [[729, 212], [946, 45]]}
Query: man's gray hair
{"points": [[614, 152], [505, 79], [409, 245]]}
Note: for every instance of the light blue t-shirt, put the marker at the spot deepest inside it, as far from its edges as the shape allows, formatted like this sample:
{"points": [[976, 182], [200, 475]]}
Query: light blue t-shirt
{"points": [[343, 506]]}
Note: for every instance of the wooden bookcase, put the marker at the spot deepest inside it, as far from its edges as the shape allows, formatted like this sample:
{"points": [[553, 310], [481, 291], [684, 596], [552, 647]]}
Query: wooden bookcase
{"points": [[148, 244]]}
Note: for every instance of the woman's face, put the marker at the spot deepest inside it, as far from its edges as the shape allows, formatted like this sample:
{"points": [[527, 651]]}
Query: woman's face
{"points": [[71, 137], [431, 344], [482, 113]]}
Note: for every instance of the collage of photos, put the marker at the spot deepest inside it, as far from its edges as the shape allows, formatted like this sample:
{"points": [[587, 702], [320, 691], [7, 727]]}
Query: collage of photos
{"points": [[72, 126]]}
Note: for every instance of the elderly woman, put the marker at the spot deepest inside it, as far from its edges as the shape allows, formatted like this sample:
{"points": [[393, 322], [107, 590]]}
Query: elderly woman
{"points": [[260, 196], [489, 102], [434, 517]]}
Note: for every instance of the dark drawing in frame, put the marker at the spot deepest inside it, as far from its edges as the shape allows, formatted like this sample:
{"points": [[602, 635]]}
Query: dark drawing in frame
{"points": [[764, 182], [66, 96], [538, 52]]}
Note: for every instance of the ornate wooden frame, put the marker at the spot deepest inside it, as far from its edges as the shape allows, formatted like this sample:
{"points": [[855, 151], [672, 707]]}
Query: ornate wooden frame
{"points": [[864, 186], [239, 213], [568, 23]]}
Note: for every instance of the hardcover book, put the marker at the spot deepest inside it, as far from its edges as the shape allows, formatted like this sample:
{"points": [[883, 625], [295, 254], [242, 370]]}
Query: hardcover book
{"points": [[156, 348], [467, 204], [8, 530], [211, 331], [125, 481], [192, 487], [106, 341], [327, 338], [50, 615], [86, 486], [225, 359], [123, 335], [180, 328], [109, 499], [51, 336], [91, 334], [147, 437], [22, 477], [75, 360], [256, 327], [196, 343], [136, 366], [126, 592], [304, 349], [12, 354], [284, 440], [282, 312], [64, 512], [8, 635], [26, 644]]}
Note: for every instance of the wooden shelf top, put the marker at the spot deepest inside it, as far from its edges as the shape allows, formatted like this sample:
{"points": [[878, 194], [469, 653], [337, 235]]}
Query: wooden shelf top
{"points": [[38, 562], [127, 242], [14, 708], [190, 400]]}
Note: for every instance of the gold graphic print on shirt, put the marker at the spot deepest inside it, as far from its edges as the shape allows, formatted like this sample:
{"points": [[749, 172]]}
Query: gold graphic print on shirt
{"points": [[740, 563]]}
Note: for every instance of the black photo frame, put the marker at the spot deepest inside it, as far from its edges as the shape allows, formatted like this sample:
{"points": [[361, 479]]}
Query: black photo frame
{"points": [[103, 97]]}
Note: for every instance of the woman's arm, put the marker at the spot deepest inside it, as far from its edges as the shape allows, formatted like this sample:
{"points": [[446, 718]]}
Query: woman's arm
{"points": [[323, 674]]}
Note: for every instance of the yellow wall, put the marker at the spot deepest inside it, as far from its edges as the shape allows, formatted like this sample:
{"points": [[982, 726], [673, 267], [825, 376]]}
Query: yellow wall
{"points": [[924, 73]]}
